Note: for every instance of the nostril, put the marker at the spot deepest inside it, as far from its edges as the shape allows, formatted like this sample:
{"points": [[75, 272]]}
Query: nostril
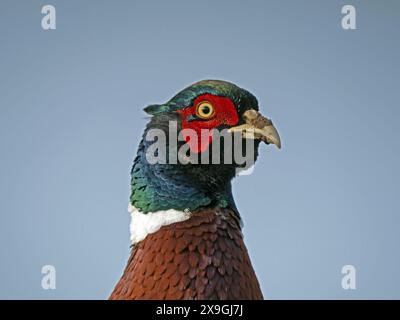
{"points": [[255, 118], [250, 114]]}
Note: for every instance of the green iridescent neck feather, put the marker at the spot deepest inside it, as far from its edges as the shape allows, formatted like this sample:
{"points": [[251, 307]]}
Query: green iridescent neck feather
{"points": [[178, 186]]}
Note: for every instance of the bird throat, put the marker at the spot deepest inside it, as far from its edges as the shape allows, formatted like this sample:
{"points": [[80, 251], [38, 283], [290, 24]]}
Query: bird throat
{"points": [[156, 187]]}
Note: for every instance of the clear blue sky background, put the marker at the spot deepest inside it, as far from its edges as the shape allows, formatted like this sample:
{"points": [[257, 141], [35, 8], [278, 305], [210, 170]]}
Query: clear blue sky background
{"points": [[71, 117]]}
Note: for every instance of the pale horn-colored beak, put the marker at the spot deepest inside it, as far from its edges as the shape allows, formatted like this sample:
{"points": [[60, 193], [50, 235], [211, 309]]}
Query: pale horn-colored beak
{"points": [[258, 127]]}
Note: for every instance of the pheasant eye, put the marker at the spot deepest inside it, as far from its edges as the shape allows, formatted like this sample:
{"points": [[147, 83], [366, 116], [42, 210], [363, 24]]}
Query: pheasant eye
{"points": [[205, 110]]}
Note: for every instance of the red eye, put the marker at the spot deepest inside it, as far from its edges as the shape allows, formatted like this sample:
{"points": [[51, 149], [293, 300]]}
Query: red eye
{"points": [[205, 110]]}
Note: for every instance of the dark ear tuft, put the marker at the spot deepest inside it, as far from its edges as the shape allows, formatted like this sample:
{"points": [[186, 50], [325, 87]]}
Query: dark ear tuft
{"points": [[156, 109]]}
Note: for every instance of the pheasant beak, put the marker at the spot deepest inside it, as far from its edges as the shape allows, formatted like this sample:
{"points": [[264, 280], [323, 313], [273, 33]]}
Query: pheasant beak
{"points": [[258, 127]]}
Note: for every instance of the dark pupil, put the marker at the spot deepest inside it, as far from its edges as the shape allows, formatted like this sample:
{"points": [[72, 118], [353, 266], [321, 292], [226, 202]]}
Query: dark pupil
{"points": [[206, 110]]}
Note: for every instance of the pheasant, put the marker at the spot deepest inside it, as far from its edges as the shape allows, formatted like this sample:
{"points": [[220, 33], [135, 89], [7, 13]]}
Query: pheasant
{"points": [[185, 228]]}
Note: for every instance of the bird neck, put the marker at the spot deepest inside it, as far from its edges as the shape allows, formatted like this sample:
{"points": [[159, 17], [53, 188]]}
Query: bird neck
{"points": [[156, 187]]}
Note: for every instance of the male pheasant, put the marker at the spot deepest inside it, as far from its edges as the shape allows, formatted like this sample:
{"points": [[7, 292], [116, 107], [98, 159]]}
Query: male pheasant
{"points": [[186, 233]]}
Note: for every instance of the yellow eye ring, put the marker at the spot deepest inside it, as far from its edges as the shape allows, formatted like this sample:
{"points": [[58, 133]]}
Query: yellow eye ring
{"points": [[205, 110]]}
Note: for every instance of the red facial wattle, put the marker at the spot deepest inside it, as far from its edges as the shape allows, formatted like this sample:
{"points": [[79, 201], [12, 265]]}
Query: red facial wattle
{"points": [[224, 113]]}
